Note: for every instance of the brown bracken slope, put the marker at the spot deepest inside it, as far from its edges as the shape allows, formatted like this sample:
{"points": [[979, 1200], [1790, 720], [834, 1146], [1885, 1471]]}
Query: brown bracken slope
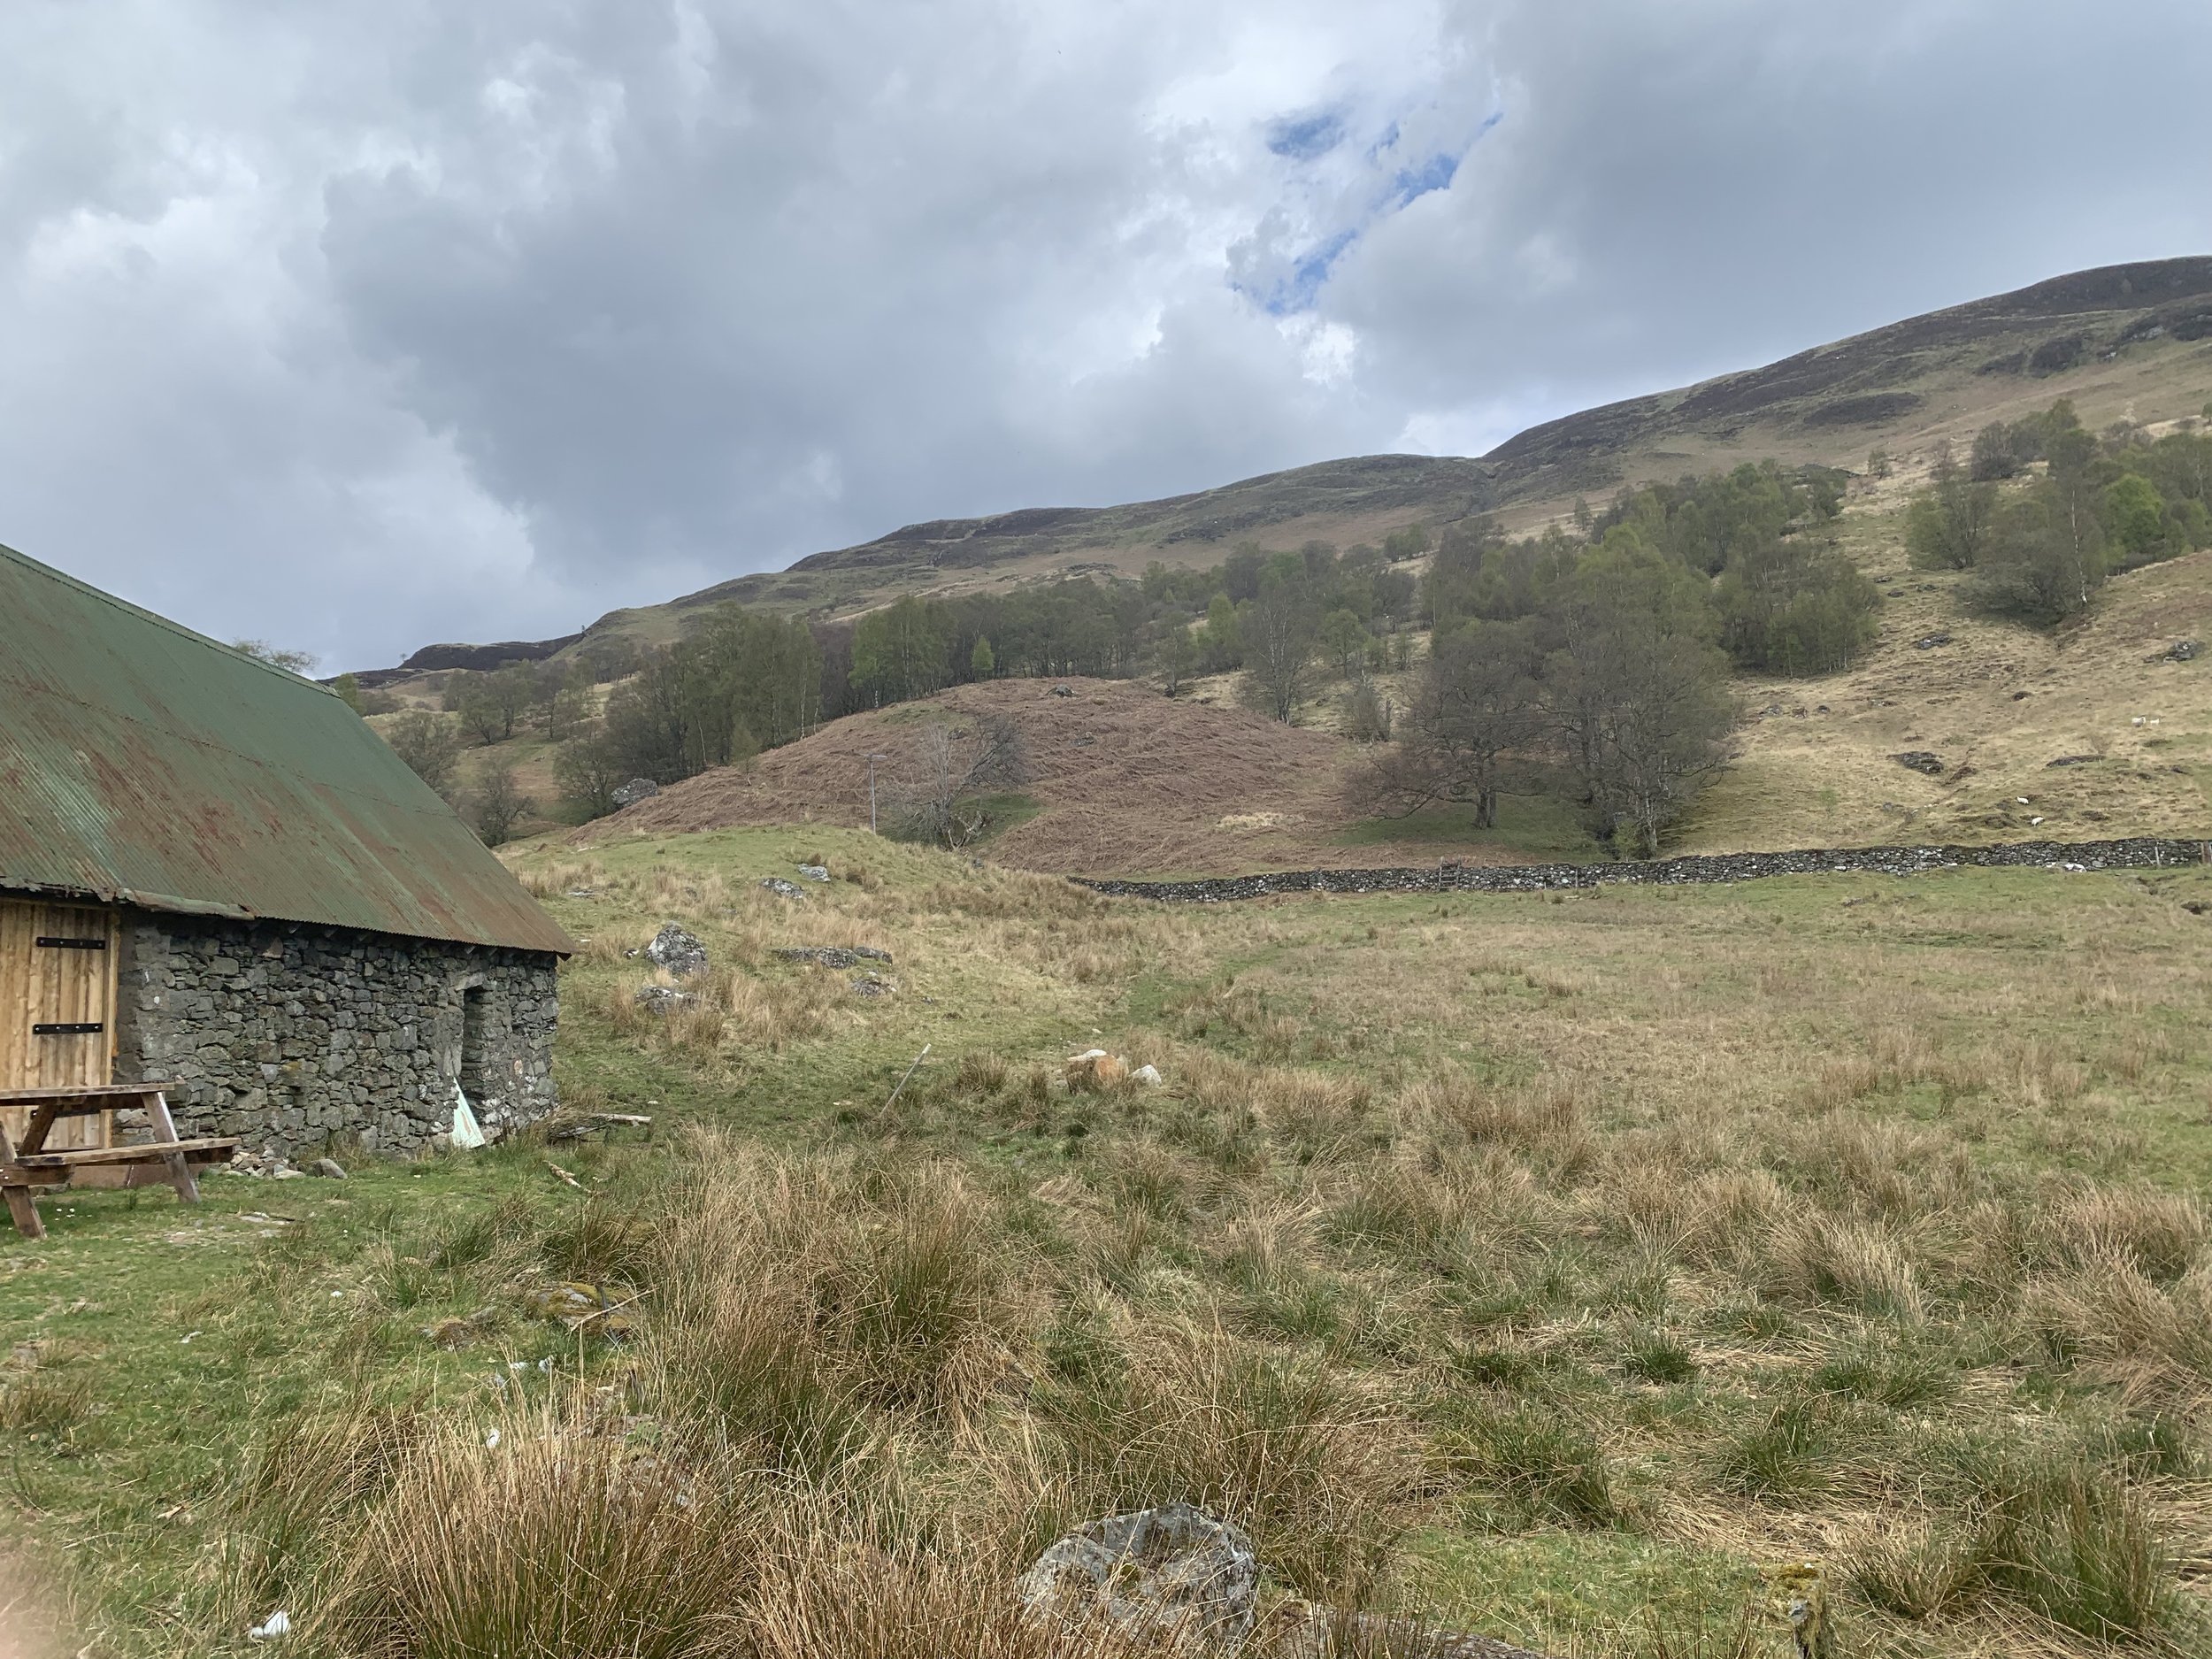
{"points": [[1126, 780]]}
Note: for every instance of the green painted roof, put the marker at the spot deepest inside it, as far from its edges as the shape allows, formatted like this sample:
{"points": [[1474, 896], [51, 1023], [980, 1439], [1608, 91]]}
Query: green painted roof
{"points": [[142, 763]]}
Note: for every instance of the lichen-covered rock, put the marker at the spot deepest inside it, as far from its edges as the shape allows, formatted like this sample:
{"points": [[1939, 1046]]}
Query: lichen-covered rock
{"points": [[781, 888], [815, 873], [634, 791], [663, 998], [1173, 1574], [678, 951]]}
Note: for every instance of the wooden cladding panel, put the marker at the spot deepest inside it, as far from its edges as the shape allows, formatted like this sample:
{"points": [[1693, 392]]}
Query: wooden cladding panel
{"points": [[67, 984]]}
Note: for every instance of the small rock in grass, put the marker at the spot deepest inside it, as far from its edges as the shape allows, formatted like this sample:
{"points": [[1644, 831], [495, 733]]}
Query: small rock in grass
{"points": [[781, 888], [330, 1168], [663, 998], [815, 873], [634, 791]]}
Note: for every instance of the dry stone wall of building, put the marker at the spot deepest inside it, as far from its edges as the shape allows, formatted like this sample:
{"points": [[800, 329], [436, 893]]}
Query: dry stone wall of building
{"points": [[290, 1037]]}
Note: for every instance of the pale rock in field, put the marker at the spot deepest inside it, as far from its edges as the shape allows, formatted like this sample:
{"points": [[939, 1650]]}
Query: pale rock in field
{"points": [[634, 791], [1148, 1075], [678, 951], [330, 1168], [781, 888], [1174, 1574], [663, 998], [815, 873]]}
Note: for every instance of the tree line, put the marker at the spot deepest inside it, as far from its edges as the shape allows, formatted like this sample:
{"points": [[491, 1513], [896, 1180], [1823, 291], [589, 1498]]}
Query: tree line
{"points": [[1591, 662], [2042, 510], [1729, 566]]}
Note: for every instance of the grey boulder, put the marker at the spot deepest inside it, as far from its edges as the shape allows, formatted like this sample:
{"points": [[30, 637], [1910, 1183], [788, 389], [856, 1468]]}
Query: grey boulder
{"points": [[1174, 1574], [678, 951]]}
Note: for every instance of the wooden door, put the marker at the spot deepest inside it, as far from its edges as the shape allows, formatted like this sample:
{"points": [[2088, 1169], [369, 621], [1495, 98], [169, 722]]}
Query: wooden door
{"points": [[56, 1008]]}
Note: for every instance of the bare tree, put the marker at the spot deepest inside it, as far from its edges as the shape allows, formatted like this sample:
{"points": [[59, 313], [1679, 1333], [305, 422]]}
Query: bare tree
{"points": [[1478, 705], [943, 793], [427, 744], [276, 657], [497, 805], [1646, 714], [1281, 631]]}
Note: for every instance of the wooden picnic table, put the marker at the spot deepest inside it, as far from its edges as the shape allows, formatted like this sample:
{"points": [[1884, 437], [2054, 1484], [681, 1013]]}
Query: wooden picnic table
{"points": [[166, 1157]]}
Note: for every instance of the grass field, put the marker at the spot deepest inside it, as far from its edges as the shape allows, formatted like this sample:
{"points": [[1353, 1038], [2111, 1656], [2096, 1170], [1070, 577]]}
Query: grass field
{"points": [[1565, 1267]]}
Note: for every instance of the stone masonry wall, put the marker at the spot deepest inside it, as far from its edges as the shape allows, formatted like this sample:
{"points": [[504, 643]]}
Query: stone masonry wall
{"points": [[289, 1036], [2141, 852]]}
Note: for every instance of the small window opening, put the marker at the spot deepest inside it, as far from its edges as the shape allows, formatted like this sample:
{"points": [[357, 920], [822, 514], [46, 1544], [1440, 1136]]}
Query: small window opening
{"points": [[472, 1071]]}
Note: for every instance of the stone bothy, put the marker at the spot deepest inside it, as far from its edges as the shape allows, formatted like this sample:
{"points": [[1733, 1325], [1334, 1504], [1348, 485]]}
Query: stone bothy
{"points": [[213, 873]]}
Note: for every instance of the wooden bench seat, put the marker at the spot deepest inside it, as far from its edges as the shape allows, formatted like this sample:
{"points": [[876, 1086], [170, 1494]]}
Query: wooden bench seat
{"points": [[165, 1158], [206, 1149]]}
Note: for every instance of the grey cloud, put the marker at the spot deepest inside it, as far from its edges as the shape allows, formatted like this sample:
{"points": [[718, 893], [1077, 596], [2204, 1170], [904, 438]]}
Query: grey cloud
{"points": [[356, 325]]}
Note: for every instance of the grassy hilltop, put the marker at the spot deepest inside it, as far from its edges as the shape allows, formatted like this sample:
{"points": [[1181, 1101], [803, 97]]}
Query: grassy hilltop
{"points": [[1557, 1266]]}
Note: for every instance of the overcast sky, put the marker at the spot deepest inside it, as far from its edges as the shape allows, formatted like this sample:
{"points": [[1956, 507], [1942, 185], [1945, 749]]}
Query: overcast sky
{"points": [[360, 326]]}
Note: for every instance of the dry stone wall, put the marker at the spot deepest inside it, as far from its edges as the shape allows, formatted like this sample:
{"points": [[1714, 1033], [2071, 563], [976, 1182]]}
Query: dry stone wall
{"points": [[2141, 852], [289, 1036]]}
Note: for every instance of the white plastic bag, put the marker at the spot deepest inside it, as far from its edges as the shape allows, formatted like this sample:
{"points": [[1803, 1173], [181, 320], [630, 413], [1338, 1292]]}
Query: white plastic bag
{"points": [[467, 1136]]}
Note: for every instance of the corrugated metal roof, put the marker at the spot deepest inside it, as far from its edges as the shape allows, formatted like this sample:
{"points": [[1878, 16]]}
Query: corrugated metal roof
{"points": [[141, 761]]}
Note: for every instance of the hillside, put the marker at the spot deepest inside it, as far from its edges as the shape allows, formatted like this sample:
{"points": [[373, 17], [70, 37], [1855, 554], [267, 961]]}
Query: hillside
{"points": [[2119, 340], [2093, 731], [1124, 778]]}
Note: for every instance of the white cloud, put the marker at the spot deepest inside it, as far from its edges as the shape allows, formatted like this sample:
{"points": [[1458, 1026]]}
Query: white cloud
{"points": [[355, 325]]}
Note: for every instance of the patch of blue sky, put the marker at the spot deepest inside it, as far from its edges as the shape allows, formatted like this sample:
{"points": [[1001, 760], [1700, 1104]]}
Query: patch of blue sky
{"points": [[1301, 291], [1306, 137], [1357, 210]]}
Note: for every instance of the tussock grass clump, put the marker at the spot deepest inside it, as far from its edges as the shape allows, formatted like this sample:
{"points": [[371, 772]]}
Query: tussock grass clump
{"points": [[1813, 1258], [555, 1537], [1787, 1455], [2078, 1549], [1284, 1443], [2159, 1235], [45, 1403], [1544, 1461], [307, 1481], [827, 1595], [2113, 1320], [1903, 1375], [795, 1296]]}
